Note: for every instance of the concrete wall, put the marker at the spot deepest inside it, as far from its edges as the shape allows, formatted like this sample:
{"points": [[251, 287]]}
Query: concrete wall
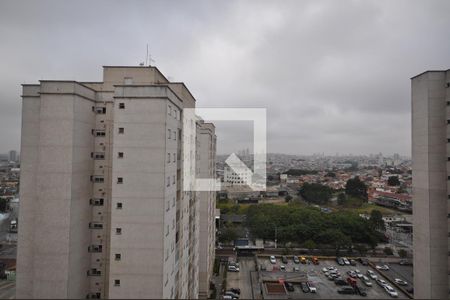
{"points": [[430, 200]]}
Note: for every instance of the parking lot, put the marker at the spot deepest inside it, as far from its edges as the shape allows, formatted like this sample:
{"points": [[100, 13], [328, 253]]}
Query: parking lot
{"points": [[326, 288]]}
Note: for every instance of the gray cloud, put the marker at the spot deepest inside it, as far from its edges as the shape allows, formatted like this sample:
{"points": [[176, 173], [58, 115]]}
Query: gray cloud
{"points": [[333, 75]]}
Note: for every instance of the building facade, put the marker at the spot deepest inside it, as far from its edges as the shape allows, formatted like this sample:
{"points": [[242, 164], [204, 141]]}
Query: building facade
{"points": [[103, 212], [431, 182], [207, 203]]}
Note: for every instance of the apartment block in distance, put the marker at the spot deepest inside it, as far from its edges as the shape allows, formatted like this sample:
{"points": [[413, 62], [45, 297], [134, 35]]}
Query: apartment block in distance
{"points": [[431, 183], [103, 213]]}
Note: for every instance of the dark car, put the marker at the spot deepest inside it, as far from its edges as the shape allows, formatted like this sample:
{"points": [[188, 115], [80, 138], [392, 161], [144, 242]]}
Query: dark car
{"points": [[364, 261], [353, 262], [361, 291], [235, 290], [289, 286], [340, 281], [304, 287], [410, 290], [296, 260], [405, 262], [346, 290], [284, 259], [340, 261]]}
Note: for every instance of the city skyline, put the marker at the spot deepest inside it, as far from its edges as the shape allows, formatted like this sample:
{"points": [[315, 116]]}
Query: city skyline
{"points": [[326, 85]]}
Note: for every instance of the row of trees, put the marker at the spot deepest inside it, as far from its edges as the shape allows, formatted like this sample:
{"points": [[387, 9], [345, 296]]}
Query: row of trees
{"points": [[303, 224]]}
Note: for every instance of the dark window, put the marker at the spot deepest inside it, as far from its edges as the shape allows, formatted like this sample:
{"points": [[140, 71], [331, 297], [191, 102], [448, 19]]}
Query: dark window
{"points": [[121, 105], [119, 180], [116, 282], [118, 256], [120, 155], [121, 130], [118, 230], [119, 205]]}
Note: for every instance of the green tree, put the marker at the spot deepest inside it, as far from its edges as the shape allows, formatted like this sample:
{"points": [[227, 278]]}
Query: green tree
{"points": [[316, 193], [376, 219], [393, 181], [310, 245], [356, 188], [288, 198], [341, 199], [388, 251], [402, 253], [228, 234]]}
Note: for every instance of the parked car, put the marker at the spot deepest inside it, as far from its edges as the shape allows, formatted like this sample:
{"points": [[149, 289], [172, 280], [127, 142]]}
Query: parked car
{"points": [[296, 269], [304, 287], [353, 262], [358, 273], [315, 260], [405, 262], [366, 281], [236, 290], [311, 287], [228, 297], [284, 259], [289, 286], [230, 293], [363, 261], [383, 267], [296, 260], [340, 261], [346, 261], [273, 260], [233, 268], [283, 268], [325, 270], [361, 291], [400, 281], [381, 282], [346, 290], [372, 274], [340, 281], [303, 260], [352, 274], [393, 293]]}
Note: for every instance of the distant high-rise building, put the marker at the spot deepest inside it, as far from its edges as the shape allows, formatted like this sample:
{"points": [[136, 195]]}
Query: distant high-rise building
{"points": [[13, 155], [103, 212], [431, 175]]}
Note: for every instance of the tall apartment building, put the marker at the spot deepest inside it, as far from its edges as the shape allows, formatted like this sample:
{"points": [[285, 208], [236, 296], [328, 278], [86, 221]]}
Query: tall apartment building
{"points": [[207, 203], [103, 213], [431, 183]]}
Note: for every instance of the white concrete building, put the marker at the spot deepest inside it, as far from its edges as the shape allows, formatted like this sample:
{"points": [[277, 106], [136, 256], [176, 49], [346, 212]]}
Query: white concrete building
{"points": [[103, 213], [431, 183], [237, 174]]}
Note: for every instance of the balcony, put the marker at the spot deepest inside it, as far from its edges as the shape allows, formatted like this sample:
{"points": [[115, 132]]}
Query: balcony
{"points": [[98, 132], [95, 249], [98, 155], [95, 225], [100, 110], [94, 272], [96, 201], [97, 179]]}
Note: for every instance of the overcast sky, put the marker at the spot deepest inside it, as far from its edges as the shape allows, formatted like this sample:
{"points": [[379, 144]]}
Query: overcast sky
{"points": [[333, 75]]}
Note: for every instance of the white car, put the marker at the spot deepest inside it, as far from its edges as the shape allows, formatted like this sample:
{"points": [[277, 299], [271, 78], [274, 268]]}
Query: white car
{"points": [[381, 282], [233, 269], [393, 293], [372, 274], [400, 281], [311, 287], [346, 261], [383, 267], [324, 270], [273, 260]]}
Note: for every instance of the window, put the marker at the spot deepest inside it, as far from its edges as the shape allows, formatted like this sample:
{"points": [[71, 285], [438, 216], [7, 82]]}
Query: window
{"points": [[174, 157], [173, 179], [118, 230], [119, 180], [168, 157], [167, 229], [169, 110], [120, 155], [174, 135], [117, 282], [168, 181], [119, 205], [173, 202], [121, 105], [118, 256], [121, 130], [169, 134], [168, 205]]}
